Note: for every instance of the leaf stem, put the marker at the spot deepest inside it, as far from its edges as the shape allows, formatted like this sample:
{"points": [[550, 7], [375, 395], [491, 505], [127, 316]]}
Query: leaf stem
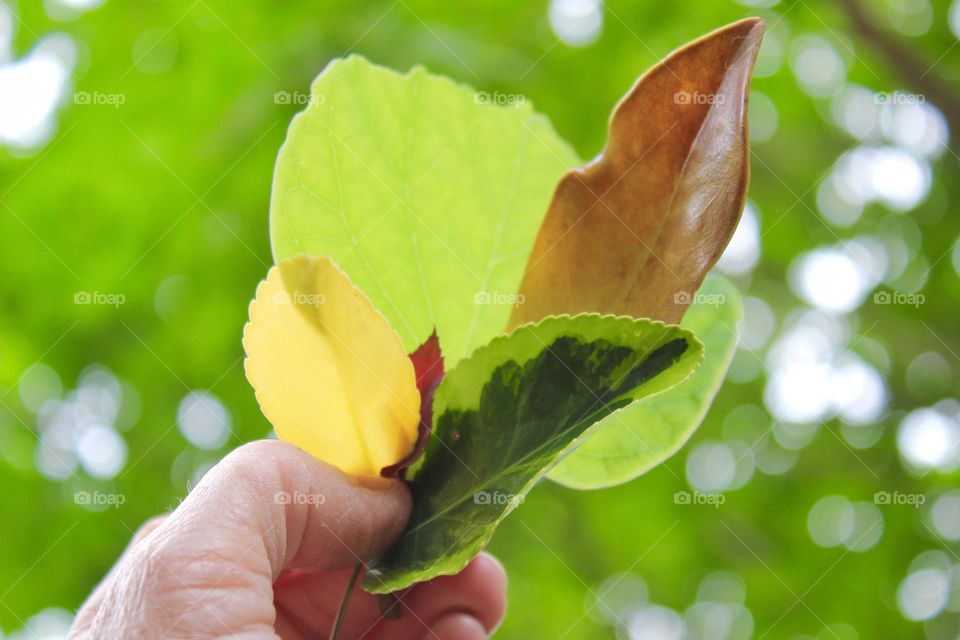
{"points": [[345, 602]]}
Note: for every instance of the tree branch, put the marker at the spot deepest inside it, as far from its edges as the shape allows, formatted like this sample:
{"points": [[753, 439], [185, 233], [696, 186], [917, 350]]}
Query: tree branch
{"points": [[910, 67]]}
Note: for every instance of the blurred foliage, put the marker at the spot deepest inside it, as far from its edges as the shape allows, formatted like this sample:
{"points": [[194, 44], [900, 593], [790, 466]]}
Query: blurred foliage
{"points": [[164, 200]]}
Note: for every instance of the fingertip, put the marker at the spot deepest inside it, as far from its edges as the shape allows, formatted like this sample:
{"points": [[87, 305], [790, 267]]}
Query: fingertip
{"points": [[456, 626], [479, 590], [492, 567], [486, 570], [396, 497], [363, 516], [381, 512]]}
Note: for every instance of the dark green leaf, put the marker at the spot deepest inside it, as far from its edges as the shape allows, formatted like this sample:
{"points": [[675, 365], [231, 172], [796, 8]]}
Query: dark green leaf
{"points": [[505, 415]]}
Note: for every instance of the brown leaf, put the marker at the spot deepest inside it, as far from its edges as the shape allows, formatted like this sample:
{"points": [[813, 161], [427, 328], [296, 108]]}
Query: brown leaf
{"points": [[635, 231]]}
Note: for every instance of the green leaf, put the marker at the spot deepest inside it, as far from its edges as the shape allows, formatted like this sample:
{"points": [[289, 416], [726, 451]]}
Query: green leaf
{"points": [[648, 432], [506, 414], [429, 199]]}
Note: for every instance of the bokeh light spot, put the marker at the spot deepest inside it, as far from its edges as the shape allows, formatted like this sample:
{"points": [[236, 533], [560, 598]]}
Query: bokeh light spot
{"points": [[203, 420], [576, 22]]}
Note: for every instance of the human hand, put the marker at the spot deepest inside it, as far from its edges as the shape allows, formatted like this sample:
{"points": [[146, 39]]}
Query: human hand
{"points": [[234, 561]]}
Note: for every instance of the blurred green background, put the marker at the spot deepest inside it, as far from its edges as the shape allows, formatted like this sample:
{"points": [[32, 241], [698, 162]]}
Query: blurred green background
{"points": [[137, 143]]}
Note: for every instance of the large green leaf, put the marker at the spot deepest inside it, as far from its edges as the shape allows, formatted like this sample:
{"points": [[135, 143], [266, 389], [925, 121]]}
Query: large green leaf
{"points": [[635, 440], [424, 193], [507, 413]]}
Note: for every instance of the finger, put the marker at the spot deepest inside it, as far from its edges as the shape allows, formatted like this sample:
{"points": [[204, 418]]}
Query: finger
{"points": [[267, 507], [456, 626], [145, 530], [273, 499], [136, 539], [480, 590], [307, 603], [92, 604]]}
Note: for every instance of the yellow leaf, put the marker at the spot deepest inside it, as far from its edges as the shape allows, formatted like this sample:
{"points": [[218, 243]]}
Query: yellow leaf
{"points": [[329, 371]]}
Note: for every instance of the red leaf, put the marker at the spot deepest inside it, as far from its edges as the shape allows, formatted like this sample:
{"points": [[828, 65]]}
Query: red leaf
{"points": [[428, 368]]}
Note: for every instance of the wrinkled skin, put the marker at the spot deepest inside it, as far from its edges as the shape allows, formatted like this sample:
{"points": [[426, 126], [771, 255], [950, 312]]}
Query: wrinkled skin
{"points": [[234, 561]]}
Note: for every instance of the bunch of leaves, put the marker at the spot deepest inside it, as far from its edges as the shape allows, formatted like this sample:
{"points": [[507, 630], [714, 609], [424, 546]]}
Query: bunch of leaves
{"points": [[406, 218]]}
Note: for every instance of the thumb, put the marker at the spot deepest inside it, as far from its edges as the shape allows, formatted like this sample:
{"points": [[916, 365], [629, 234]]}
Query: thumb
{"points": [[209, 568], [272, 499]]}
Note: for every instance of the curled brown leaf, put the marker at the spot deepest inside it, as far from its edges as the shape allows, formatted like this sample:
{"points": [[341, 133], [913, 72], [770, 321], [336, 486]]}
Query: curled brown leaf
{"points": [[635, 231]]}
